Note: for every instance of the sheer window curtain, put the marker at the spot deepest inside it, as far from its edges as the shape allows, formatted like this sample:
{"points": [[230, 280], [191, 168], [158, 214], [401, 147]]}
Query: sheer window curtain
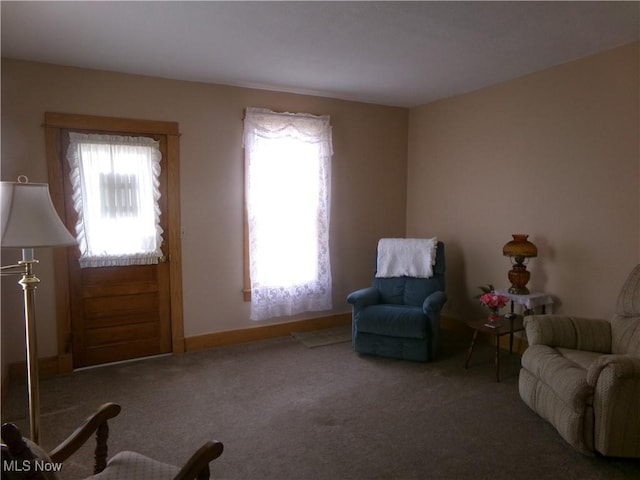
{"points": [[288, 178], [115, 181]]}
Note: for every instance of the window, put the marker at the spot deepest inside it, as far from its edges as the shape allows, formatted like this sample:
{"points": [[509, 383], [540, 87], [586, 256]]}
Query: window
{"points": [[115, 192], [119, 194], [287, 185]]}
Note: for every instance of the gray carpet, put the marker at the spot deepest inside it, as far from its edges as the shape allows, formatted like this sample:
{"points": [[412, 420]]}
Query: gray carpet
{"points": [[324, 337], [285, 411]]}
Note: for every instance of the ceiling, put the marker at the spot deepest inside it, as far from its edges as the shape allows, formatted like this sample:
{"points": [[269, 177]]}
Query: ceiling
{"points": [[391, 53]]}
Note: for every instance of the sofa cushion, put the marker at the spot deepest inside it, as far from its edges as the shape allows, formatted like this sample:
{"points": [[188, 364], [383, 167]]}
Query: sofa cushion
{"points": [[581, 357], [562, 375], [628, 304], [625, 324], [393, 320], [406, 290], [569, 332], [416, 290], [133, 466], [391, 289], [625, 333]]}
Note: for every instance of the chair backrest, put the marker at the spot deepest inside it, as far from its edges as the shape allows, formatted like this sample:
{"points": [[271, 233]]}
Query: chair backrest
{"points": [[410, 290], [625, 324]]}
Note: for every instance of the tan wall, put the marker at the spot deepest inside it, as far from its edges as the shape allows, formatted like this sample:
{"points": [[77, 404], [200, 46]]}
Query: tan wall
{"points": [[368, 181], [554, 154]]}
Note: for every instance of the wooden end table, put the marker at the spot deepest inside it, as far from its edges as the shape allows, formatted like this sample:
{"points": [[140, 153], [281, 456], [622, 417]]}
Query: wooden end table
{"points": [[507, 327]]}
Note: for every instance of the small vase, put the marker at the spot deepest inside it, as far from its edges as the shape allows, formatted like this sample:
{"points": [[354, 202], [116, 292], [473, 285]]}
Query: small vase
{"points": [[495, 316]]}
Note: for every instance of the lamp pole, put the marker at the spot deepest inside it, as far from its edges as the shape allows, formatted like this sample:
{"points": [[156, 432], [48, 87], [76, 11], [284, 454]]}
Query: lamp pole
{"points": [[29, 284]]}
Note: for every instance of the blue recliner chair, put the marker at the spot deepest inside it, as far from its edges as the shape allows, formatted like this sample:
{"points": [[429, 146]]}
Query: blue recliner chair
{"points": [[399, 317]]}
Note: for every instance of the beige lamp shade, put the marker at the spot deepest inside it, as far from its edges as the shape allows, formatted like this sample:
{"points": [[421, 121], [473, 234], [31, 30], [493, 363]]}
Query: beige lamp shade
{"points": [[29, 219]]}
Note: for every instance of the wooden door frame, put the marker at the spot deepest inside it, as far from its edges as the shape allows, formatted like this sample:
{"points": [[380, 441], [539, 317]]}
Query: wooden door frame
{"points": [[54, 123]]}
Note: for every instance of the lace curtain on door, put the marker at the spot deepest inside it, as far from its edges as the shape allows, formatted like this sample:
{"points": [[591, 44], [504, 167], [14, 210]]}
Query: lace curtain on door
{"points": [[288, 174], [115, 183]]}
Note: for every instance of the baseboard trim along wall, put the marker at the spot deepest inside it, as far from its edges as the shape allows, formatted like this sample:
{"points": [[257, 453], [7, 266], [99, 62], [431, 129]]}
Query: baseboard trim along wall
{"points": [[47, 367], [262, 332]]}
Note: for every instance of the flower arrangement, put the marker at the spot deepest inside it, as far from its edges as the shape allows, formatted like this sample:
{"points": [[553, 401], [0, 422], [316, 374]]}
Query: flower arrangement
{"points": [[492, 300]]}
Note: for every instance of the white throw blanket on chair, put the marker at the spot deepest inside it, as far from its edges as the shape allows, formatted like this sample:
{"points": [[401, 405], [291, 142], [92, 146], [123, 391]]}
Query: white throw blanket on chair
{"points": [[410, 257]]}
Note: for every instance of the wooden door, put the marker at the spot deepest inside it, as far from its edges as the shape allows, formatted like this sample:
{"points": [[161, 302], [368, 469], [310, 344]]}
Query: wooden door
{"points": [[120, 312], [123, 312]]}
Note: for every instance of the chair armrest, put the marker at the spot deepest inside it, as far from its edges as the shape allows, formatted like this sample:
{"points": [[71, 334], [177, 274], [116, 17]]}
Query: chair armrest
{"points": [[22, 451], [577, 333], [197, 467], [615, 367], [95, 423], [364, 297], [616, 395], [434, 303]]}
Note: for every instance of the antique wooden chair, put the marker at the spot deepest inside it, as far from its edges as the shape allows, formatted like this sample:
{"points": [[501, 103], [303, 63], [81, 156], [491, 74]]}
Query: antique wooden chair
{"points": [[23, 459]]}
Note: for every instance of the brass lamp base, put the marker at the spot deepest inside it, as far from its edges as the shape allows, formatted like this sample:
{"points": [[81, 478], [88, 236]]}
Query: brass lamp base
{"points": [[519, 276]]}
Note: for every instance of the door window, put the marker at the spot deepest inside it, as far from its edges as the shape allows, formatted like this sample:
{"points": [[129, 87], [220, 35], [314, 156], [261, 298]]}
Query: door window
{"points": [[115, 181]]}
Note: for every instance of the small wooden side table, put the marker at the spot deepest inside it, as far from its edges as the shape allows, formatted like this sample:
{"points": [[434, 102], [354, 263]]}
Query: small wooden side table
{"points": [[507, 327], [529, 301]]}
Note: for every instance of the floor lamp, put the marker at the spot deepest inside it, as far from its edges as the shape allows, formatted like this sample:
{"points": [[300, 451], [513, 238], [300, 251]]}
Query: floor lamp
{"points": [[29, 220]]}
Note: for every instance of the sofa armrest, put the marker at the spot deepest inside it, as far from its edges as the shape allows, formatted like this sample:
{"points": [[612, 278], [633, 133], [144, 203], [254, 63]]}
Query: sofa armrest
{"points": [[577, 333], [614, 366], [364, 297], [434, 303], [616, 395]]}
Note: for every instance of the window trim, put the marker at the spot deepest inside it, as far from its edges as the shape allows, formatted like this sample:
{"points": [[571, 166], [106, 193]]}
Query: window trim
{"points": [[247, 281]]}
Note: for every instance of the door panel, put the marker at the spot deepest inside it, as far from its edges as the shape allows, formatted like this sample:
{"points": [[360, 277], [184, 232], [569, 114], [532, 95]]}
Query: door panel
{"points": [[96, 355], [112, 321], [114, 307], [100, 337]]}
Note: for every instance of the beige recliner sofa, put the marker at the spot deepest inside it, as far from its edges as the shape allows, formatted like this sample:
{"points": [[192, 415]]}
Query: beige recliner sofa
{"points": [[583, 375]]}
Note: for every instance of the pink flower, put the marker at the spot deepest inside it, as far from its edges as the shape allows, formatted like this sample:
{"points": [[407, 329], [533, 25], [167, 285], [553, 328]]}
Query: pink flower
{"points": [[493, 300]]}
